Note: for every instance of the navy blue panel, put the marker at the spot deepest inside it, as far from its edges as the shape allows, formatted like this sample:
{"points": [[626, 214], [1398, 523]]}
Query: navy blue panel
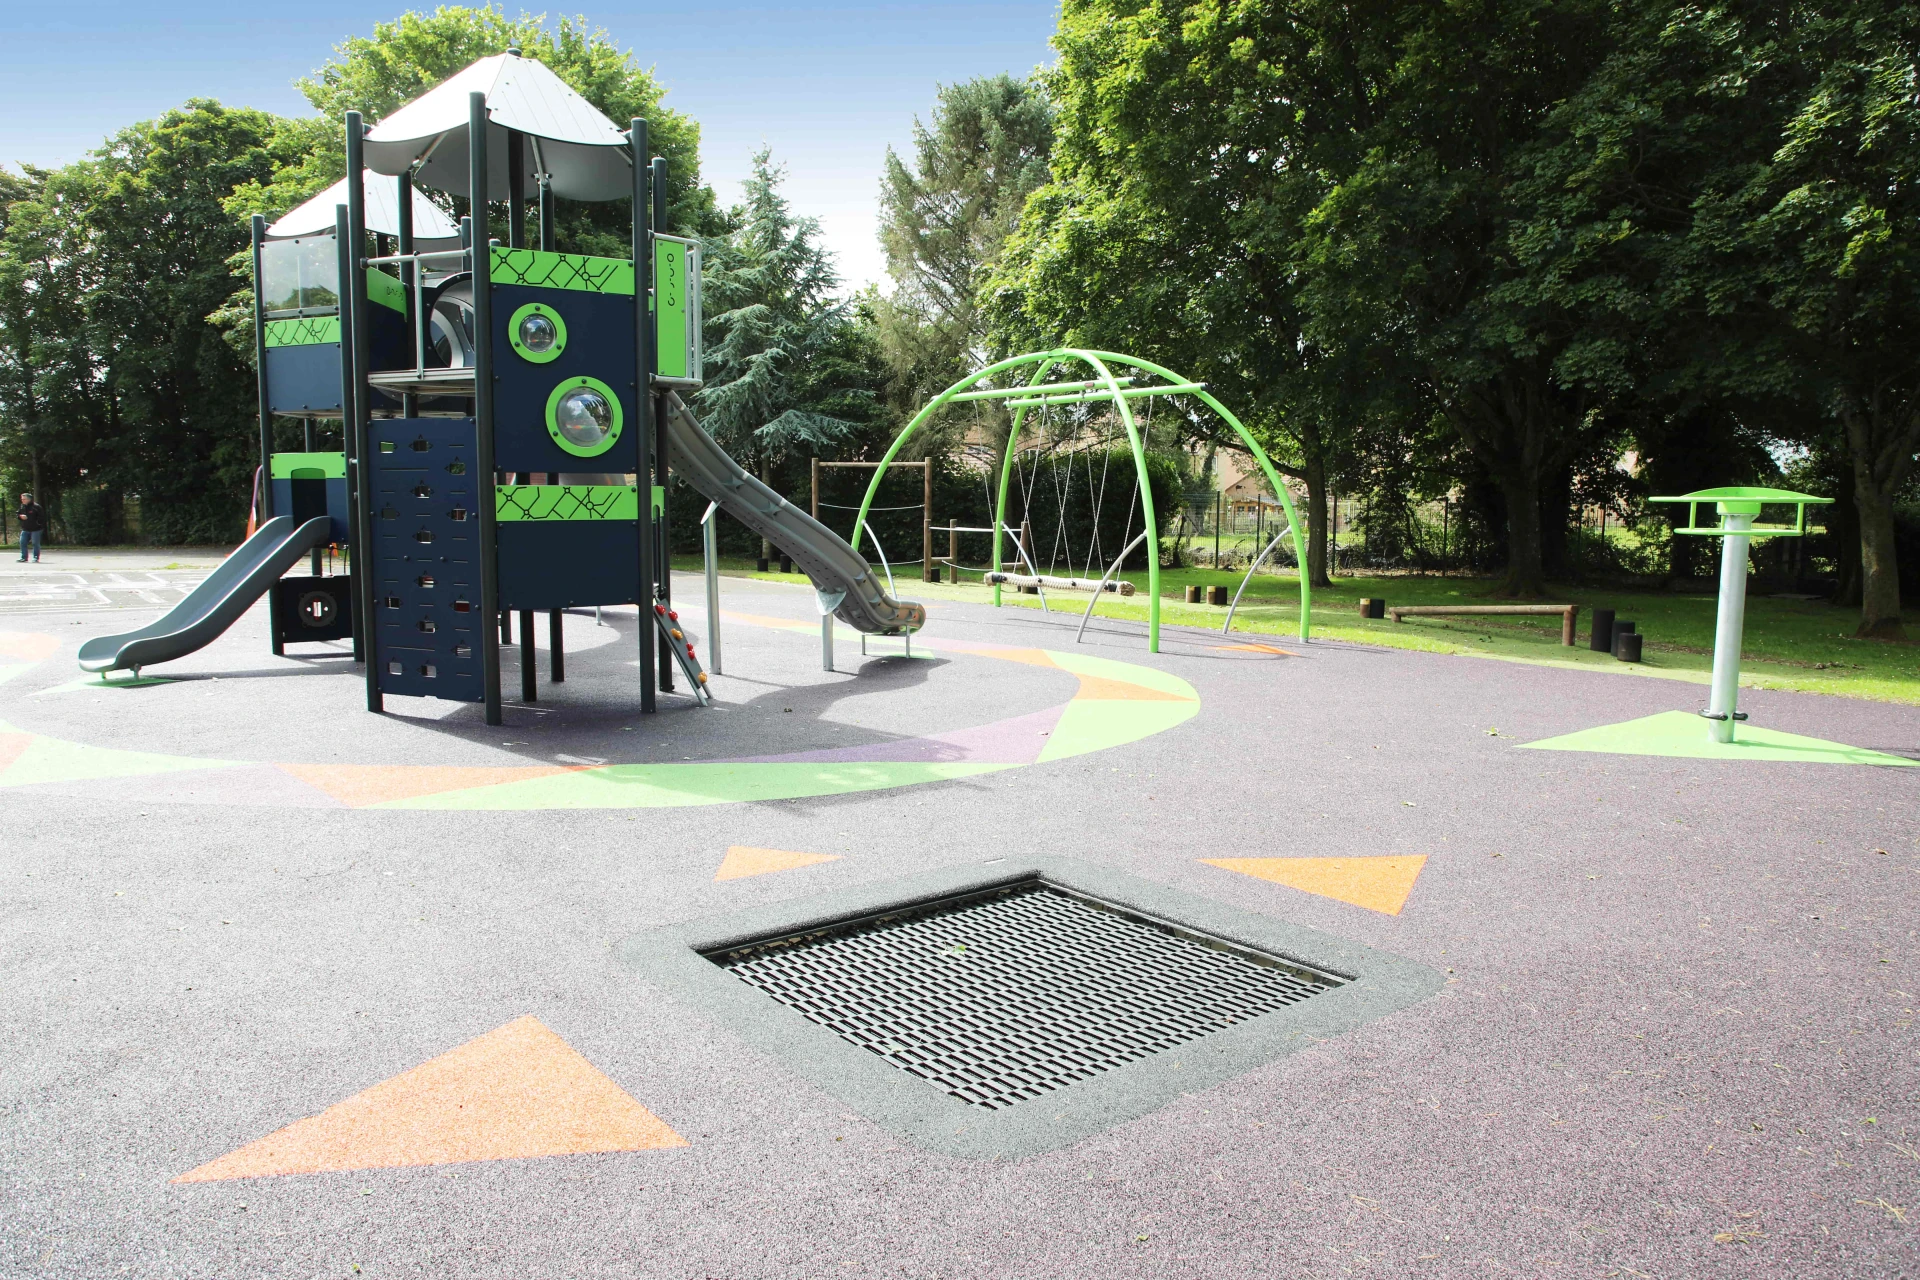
{"points": [[304, 379], [313, 608], [426, 558], [600, 339], [565, 564], [388, 344], [305, 499]]}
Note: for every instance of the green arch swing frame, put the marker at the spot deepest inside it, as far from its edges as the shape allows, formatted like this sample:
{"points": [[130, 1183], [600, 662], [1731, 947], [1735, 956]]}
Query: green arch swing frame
{"points": [[1102, 386]]}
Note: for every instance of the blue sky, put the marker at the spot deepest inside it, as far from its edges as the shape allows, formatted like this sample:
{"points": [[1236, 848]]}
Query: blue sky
{"points": [[829, 88]]}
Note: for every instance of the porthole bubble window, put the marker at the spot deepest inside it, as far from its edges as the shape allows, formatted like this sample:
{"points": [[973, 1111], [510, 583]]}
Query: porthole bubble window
{"points": [[537, 332], [583, 417]]}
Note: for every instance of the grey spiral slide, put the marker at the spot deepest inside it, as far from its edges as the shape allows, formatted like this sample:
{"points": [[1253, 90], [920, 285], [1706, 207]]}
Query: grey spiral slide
{"points": [[821, 554], [211, 607]]}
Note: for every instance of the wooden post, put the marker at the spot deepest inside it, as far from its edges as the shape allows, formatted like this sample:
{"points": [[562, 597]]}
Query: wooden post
{"points": [[816, 488], [927, 572], [953, 551]]}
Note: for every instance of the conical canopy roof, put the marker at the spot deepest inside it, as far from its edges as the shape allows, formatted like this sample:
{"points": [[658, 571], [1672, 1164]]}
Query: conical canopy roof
{"points": [[567, 137], [432, 228]]}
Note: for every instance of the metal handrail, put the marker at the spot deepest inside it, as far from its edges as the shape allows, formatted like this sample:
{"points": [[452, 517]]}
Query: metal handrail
{"points": [[1262, 559], [1101, 589], [883, 559]]}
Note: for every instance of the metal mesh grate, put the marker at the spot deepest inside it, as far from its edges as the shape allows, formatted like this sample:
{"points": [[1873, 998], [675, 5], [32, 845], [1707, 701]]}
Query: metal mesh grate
{"points": [[1003, 996]]}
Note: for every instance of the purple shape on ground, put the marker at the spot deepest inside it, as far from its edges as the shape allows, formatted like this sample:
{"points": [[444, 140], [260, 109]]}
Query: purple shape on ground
{"points": [[1015, 741]]}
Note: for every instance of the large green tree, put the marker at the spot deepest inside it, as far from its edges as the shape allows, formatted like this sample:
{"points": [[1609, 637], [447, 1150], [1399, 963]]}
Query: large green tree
{"points": [[792, 367], [108, 270], [944, 216]]}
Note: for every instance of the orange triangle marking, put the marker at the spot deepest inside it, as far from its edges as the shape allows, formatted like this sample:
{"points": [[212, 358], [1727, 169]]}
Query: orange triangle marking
{"points": [[745, 860], [28, 646], [512, 1094], [1034, 657], [11, 745], [1378, 884], [1100, 688], [1258, 648], [360, 784]]}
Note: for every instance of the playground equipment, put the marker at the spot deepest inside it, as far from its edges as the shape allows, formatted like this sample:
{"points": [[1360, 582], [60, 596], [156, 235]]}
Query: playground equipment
{"points": [[1102, 388], [503, 409], [1737, 506]]}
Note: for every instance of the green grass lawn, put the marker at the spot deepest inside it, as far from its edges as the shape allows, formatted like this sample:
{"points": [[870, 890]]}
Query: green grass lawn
{"points": [[1805, 645]]}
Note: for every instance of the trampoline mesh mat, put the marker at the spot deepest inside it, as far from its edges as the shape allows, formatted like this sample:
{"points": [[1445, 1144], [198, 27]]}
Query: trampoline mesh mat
{"points": [[1003, 996]]}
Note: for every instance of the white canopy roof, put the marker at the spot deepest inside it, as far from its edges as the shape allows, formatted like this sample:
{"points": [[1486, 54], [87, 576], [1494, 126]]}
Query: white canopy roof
{"points": [[432, 228], [567, 137]]}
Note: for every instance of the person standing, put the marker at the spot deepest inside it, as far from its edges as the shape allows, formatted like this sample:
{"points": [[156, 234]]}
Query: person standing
{"points": [[33, 523]]}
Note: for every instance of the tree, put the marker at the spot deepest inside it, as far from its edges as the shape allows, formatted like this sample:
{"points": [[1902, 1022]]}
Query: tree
{"points": [[784, 370], [1833, 227], [1195, 146], [401, 60], [110, 269], [943, 220]]}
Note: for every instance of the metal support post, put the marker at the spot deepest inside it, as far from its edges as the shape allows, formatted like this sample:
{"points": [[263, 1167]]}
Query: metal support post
{"points": [[359, 524], [826, 641], [529, 660], [710, 544], [643, 404], [557, 644], [1724, 698], [484, 454], [667, 658], [356, 416]]}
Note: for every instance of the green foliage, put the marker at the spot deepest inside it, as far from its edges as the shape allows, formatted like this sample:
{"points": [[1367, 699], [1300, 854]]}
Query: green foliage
{"points": [[108, 271], [943, 221], [789, 365]]}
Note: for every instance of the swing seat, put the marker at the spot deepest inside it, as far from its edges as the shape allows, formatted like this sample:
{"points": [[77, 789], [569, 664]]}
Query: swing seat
{"points": [[1117, 586]]}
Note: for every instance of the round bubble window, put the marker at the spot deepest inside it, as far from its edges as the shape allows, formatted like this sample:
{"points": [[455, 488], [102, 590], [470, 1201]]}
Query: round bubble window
{"points": [[537, 332], [583, 417]]}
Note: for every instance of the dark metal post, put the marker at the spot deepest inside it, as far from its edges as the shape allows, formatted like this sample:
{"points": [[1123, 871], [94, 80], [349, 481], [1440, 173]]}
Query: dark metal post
{"points": [[266, 414], [260, 371], [660, 459], [516, 189], [403, 192], [543, 198], [482, 258], [353, 301], [643, 406], [359, 524]]}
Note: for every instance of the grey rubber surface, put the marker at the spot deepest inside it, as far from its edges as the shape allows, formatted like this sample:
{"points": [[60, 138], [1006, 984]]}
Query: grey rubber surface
{"points": [[1675, 1035]]}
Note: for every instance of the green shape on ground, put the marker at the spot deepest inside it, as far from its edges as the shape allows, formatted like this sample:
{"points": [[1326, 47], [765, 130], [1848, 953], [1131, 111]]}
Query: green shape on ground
{"points": [[102, 682], [54, 760], [1683, 734], [1126, 672], [1094, 725], [671, 786]]}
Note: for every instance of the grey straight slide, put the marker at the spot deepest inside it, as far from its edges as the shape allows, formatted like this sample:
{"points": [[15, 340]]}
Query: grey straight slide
{"points": [[211, 607], [822, 555]]}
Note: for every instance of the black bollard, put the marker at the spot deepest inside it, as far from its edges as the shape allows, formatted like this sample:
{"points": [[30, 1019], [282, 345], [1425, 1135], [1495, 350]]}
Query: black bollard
{"points": [[1602, 641], [1626, 646]]}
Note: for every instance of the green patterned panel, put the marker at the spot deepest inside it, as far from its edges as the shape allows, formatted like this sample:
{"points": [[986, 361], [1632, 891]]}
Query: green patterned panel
{"points": [[544, 270], [307, 332], [565, 502], [386, 291], [289, 466]]}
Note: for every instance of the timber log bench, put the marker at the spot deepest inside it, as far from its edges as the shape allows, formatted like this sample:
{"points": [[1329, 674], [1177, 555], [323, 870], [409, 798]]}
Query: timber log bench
{"points": [[1569, 613]]}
